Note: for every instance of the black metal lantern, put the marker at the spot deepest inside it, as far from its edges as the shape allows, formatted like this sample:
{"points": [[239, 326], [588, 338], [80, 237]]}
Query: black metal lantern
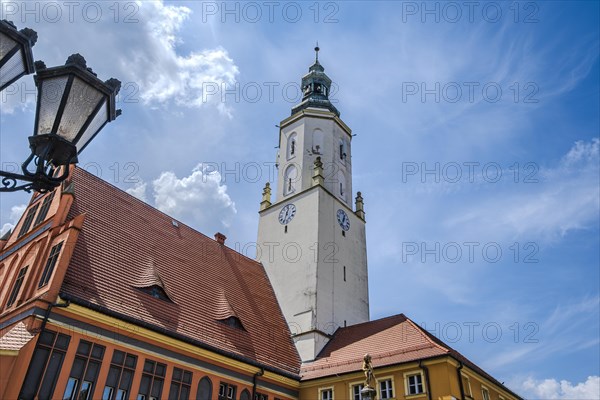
{"points": [[16, 58], [73, 105]]}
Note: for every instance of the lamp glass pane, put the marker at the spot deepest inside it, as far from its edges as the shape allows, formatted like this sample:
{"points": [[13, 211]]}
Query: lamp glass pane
{"points": [[51, 94], [82, 100], [6, 45], [13, 68], [99, 120]]}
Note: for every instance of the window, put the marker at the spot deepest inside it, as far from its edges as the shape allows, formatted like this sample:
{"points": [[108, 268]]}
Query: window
{"points": [[17, 287], [155, 291], [260, 396], [414, 384], [28, 220], [467, 386], [245, 395], [44, 210], [180, 384], [290, 177], [342, 150], [50, 264], [120, 375], [344, 273], [326, 394], [356, 392], [341, 178], [485, 393], [292, 144], [226, 391], [85, 370], [45, 366], [204, 389], [152, 382], [317, 141], [386, 390]]}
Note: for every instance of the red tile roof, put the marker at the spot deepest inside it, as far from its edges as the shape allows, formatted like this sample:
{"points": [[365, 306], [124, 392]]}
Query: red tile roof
{"points": [[389, 341], [126, 244], [17, 337]]}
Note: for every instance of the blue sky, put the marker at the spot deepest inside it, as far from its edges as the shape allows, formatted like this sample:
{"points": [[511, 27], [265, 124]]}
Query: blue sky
{"points": [[506, 94]]}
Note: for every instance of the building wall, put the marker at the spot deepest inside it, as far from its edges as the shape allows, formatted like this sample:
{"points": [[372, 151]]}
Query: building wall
{"points": [[81, 324], [443, 382]]}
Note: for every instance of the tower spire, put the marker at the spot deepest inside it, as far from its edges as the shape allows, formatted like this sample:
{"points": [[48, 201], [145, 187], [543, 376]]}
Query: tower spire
{"points": [[316, 86]]}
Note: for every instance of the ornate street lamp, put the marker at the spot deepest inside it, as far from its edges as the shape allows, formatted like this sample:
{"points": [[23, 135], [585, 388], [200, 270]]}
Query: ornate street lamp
{"points": [[16, 58], [73, 105]]}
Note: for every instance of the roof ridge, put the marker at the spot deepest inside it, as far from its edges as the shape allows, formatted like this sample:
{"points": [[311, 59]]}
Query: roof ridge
{"points": [[436, 342], [370, 322]]}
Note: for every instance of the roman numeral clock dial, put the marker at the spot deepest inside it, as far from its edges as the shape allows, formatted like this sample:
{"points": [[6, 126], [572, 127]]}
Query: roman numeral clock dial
{"points": [[287, 213]]}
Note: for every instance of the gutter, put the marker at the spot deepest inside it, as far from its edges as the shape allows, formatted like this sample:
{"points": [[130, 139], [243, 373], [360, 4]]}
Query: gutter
{"points": [[460, 382], [426, 371], [178, 336], [254, 381], [49, 310]]}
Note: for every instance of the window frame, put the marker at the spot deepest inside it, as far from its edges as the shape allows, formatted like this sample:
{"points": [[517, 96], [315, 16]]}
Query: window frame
{"points": [[379, 381], [43, 213], [50, 266], [55, 345], [407, 376], [228, 387], [483, 391], [179, 384], [352, 385], [28, 220], [117, 392], [327, 389], [16, 288], [468, 386]]}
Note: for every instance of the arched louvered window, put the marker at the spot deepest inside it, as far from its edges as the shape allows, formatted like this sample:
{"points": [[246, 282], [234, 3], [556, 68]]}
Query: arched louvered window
{"points": [[290, 178], [204, 389], [245, 395]]}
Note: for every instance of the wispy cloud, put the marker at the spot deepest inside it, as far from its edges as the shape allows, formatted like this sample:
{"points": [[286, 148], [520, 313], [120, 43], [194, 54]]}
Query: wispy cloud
{"points": [[547, 389], [15, 213]]}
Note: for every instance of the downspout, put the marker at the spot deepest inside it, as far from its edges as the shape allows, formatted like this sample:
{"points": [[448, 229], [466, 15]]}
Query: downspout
{"points": [[49, 309], [254, 381], [460, 382], [426, 371]]}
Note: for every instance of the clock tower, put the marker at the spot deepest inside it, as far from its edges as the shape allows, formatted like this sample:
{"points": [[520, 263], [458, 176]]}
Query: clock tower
{"points": [[311, 239]]}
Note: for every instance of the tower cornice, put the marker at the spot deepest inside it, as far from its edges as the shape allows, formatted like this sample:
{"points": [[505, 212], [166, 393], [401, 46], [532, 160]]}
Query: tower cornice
{"points": [[316, 113], [299, 194]]}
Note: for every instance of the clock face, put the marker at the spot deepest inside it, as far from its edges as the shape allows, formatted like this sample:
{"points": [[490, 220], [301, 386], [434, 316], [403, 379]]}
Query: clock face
{"points": [[343, 219], [287, 213]]}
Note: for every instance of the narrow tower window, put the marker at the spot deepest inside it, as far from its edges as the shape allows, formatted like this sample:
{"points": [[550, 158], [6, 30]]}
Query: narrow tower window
{"points": [[344, 273], [290, 176], [291, 145]]}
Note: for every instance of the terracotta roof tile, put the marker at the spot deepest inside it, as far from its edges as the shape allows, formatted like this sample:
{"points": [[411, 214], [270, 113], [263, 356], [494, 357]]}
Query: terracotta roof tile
{"points": [[389, 341], [126, 244], [17, 337]]}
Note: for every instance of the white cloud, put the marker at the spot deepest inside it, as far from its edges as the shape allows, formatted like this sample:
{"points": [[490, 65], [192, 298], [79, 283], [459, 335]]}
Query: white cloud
{"points": [[15, 215], [553, 389], [564, 198], [139, 191], [162, 74], [199, 199]]}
